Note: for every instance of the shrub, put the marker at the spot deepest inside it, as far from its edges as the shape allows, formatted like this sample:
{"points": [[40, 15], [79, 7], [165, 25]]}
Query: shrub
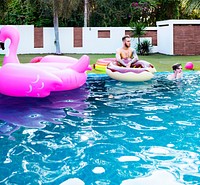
{"points": [[144, 48]]}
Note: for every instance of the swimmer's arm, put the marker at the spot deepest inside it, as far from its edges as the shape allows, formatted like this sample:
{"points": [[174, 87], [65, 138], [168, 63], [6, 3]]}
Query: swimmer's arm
{"points": [[118, 58], [169, 77]]}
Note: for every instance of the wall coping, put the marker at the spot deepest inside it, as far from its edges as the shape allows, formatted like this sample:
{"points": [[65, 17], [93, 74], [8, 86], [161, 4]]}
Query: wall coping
{"points": [[179, 21], [107, 28]]}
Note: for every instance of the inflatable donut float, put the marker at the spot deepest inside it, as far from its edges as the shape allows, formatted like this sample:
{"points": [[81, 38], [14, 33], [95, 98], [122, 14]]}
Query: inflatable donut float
{"points": [[140, 71]]}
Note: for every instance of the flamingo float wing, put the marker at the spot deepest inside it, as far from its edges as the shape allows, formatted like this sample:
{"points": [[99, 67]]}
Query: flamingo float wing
{"points": [[22, 80]]}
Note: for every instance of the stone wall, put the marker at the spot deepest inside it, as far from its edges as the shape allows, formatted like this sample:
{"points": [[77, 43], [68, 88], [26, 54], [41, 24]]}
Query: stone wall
{"points": [[186, 39], [38, 37]]}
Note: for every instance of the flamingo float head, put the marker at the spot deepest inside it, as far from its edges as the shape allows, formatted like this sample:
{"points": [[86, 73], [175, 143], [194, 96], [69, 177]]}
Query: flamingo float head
{"points": [[10, 32]]}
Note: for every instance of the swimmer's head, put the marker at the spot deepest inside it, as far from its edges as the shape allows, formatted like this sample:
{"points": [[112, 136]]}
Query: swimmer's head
{"points": [[176, 66]]}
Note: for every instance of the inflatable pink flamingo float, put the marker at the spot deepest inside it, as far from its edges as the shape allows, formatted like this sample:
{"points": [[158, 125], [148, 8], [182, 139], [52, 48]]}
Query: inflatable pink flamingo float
{"points": [[52, 73]]}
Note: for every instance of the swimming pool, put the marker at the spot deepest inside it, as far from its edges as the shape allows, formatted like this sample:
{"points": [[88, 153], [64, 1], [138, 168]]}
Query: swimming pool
{"points": [[106, 132]]}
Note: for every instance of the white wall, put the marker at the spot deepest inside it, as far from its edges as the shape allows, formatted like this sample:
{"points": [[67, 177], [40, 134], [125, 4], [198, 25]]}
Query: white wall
{"points": [[91, 42], [165, 37]]}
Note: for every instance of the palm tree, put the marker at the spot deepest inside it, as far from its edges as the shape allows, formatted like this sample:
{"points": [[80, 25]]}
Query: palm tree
{"points": [[138, 31]]}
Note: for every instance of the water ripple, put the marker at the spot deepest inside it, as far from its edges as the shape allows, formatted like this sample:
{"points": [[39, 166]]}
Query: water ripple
{"points": [[106, 132]]}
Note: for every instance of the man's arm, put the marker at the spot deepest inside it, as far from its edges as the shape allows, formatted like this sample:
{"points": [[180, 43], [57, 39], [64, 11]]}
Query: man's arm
{"points": [[118, 57], [134, 56]]}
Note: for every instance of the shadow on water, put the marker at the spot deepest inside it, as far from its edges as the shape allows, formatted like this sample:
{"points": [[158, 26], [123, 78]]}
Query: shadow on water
{"points": [[35, 112]]}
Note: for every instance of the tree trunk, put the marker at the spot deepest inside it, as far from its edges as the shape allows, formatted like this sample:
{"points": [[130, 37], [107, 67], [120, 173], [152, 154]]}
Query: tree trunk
{"points": [[85, 12], [56, 31]]}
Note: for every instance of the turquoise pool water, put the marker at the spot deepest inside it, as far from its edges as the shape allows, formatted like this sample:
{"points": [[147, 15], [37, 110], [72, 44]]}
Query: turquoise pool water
{"points": [[105, 133]]}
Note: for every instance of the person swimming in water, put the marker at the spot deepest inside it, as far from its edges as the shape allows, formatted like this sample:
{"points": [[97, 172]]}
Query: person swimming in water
{"points": [[177, 72]]}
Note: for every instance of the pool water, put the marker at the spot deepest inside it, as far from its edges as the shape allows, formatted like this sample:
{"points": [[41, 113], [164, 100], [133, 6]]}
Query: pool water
{"points": [[105, 133]]}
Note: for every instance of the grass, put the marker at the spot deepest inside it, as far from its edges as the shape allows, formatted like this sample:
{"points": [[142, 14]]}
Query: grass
{"points": [[161, 62]]}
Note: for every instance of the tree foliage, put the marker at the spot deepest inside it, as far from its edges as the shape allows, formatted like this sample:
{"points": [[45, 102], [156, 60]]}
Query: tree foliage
{"points": [[109, 13], [192, 5], [100, 12], [143, 12], [167, 9]]}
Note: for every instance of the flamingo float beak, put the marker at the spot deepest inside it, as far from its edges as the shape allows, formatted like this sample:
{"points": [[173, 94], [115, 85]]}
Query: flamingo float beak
{"points": [[89, 67], [2, 45]]}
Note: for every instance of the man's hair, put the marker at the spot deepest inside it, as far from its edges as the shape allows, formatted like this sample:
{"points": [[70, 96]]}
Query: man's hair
{"points": [[176, 66], [126, 36]]}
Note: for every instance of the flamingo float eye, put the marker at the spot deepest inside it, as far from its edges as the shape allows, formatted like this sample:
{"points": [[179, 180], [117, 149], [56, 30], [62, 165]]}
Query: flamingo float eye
{"points": [[2, 45]]}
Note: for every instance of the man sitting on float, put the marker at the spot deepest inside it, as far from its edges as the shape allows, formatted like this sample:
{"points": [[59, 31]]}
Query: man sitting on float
{"points": [[126, 55]]}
